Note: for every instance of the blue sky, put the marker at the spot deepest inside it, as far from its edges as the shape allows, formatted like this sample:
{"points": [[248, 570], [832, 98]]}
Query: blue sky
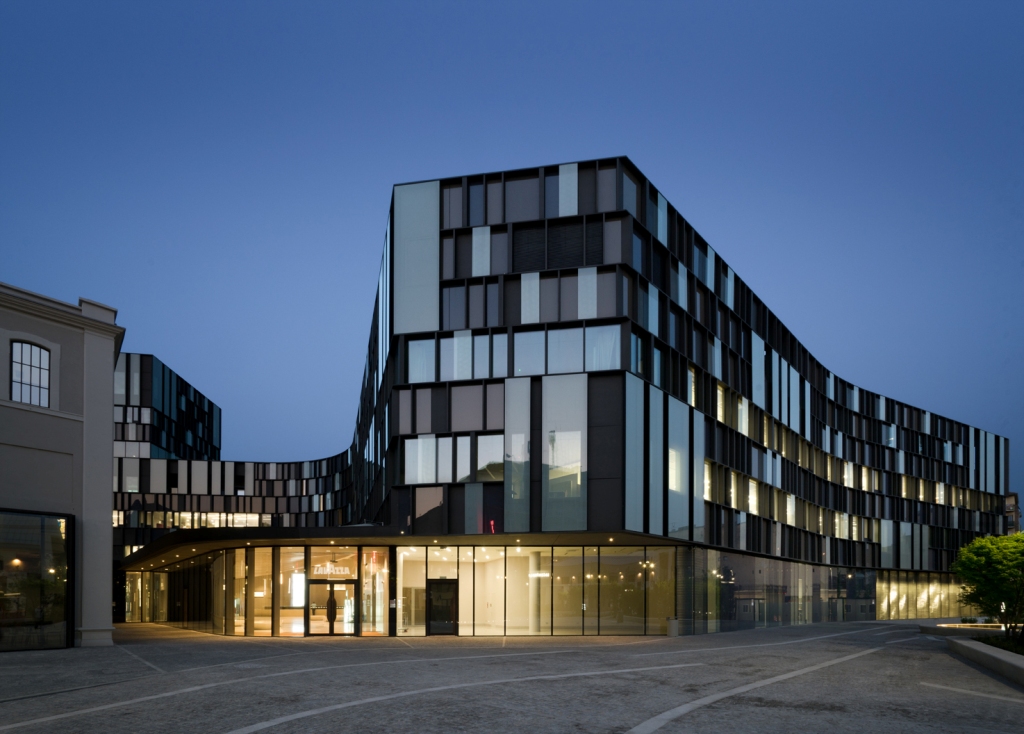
{"points": [[221, 172]]}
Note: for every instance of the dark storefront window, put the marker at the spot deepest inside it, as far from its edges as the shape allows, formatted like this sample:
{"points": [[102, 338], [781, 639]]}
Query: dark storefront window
{"points": [[34, 581]]}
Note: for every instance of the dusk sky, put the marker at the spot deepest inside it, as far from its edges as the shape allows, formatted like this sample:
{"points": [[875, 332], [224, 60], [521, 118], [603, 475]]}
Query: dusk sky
{"points": [[221, 173]]}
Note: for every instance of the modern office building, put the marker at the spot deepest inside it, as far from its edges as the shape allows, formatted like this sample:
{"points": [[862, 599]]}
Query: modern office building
{"points": [[55, 474], [576, 418]]}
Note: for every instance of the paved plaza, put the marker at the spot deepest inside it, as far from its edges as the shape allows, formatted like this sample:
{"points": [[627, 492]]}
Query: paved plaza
{"points": [[852, 677]]}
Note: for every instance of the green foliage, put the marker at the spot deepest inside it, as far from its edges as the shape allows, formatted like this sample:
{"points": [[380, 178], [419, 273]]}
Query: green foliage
{"points": [[991, 572]]}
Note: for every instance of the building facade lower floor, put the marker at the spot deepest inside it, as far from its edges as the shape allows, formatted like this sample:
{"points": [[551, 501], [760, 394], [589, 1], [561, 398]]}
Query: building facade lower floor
{"points": [[267, 582]]}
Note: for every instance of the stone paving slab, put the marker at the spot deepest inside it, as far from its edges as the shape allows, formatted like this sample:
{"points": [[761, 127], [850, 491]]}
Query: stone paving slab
{"points": [[835, 677]]}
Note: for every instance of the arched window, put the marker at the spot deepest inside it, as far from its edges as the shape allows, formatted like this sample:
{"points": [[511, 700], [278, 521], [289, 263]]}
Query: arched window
{"points": [[30, 374]]}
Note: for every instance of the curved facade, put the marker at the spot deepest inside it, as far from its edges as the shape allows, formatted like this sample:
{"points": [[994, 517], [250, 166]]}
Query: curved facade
{"points": [[559, 361]]}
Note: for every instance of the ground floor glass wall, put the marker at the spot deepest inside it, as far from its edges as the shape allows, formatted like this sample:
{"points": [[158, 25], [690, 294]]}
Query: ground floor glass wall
{"points": [[519, 590], [722, 591], [919, 595], [537, 590]]}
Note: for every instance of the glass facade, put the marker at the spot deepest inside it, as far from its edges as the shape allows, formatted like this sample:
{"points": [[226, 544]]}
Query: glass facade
{"points": [[574, 357]]}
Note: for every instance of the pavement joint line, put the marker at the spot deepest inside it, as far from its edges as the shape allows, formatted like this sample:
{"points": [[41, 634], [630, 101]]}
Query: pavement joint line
{"points": [[78, 688], [279, 674], [656, 722], [974, 693], [905, 639], [323, 651], [889, 632], [157, 668], [743, 647], [436, 689]]}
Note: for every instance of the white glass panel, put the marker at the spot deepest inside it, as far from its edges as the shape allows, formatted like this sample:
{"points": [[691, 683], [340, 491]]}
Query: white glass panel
{"points": [[421, 360], [529, 295], [481, 251], [603, 348], [586, 295]]}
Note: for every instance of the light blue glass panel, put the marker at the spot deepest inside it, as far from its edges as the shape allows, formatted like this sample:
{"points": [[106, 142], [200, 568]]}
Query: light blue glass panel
{"points": [[417, 243], [794, 400], [652, 310], [603, 348], [656, 462], [678, 469], [517, 455], [564, 433], [568, 186], [421, 360], [529, 294], [529, 353], [757, 369], [447, 360], [499, 343], [481, 251], [634, 454], [586, 295], [463, 355], [565, 351], [481, 357]]}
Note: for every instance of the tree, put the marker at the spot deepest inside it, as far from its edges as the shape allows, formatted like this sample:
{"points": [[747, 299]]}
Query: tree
{"points": [[991, 572]]}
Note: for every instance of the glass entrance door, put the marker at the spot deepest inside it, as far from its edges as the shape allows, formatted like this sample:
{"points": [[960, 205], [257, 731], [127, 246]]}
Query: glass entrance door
{"points": [[332, 608], [442, 607]]}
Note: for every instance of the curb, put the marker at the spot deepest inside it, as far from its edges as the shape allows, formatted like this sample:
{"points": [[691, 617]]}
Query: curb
{"points": [[940, 631], [1005, 663]]}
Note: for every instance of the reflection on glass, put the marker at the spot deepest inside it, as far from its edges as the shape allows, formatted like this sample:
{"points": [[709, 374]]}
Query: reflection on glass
{"points": [[489, 588], [291, 585], [530, 298], [517, 455], [374, 617], [412, 591], [622, 591], [466, 589], [678, 469], [567, 591], [564, 432], [490, 464], [238, 594], [462, 465], [329, 562], [660, 570], [527, 591], [33, 581], [263, 592]]}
